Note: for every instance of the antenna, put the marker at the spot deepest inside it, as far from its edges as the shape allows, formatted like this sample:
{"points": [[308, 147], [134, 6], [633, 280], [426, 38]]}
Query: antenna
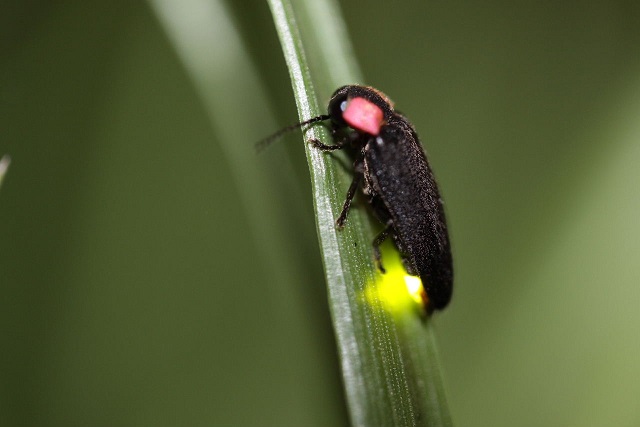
{"points": [[261, 145]]}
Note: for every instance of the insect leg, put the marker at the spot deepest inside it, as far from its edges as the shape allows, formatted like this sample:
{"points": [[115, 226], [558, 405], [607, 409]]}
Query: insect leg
{"points": [[380, 238], [358, 171], [324, 147], [341, 139], [347, 203]]}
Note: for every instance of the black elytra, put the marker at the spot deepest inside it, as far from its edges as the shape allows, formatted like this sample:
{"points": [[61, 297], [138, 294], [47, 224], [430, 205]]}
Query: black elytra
{"points": [[394, 173]]}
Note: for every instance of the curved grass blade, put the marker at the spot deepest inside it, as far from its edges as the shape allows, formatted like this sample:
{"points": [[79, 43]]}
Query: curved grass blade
{"points": [[388, 354], [5, 161]]}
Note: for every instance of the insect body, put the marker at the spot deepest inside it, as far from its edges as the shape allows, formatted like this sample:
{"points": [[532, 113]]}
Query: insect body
{"points": [[392, 169]]}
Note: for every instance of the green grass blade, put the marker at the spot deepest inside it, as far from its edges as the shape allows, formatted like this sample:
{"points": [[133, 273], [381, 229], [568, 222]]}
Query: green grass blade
{"points": [[4, 166], [388, 356], [195, 28]]}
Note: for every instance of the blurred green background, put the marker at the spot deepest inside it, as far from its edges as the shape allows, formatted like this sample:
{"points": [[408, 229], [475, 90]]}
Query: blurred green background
{"points": [[151, 275]]}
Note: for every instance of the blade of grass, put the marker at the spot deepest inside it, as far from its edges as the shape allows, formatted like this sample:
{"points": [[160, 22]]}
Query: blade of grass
{"points": [[389, 362], [4, 166], [196, 28], [209, 46]]}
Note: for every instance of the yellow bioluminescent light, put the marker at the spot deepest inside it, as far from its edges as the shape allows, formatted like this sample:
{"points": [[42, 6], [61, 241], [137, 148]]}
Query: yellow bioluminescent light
{"points": [[395, 290], [415, 289]]}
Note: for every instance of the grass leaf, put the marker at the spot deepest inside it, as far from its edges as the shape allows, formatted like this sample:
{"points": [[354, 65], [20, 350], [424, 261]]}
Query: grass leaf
{"points": [[387, 352], [5, 161]]}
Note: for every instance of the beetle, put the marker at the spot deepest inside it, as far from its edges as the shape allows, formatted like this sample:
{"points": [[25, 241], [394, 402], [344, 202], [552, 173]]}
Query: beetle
{"points": [[392, 169]]}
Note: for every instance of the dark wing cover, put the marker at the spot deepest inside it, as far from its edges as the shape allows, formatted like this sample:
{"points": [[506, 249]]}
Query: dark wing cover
{"points": [[401, 176]]}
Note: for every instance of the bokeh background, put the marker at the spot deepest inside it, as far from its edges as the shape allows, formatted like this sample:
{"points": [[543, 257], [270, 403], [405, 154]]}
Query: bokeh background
{"points": [[150, 276]]}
